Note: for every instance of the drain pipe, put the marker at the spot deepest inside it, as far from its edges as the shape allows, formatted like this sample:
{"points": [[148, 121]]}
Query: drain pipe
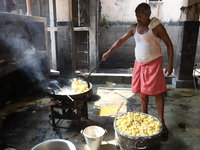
{"points": [[93, 28]]}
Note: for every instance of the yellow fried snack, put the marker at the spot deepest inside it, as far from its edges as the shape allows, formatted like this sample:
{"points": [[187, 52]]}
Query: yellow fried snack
{"points": [[138, 124], [79, 86]]}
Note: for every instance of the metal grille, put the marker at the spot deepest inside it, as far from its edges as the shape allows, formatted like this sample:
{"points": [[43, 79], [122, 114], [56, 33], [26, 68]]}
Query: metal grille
{"points": [[82, 50]]}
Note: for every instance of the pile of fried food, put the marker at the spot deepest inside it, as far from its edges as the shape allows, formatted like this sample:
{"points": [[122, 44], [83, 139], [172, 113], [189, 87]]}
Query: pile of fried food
{"points": [[138, 124], [79, 86]]}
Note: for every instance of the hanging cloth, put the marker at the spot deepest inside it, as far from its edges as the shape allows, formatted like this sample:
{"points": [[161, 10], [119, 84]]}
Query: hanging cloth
{"points": [[155, 21]]}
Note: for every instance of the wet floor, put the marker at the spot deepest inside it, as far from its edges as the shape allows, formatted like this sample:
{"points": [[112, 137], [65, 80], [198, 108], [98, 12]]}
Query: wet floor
{"points": [[26, 120]]}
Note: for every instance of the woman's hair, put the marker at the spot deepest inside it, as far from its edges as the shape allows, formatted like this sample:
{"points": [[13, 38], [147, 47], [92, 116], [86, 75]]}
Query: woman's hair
{"points": [[143, 8]]}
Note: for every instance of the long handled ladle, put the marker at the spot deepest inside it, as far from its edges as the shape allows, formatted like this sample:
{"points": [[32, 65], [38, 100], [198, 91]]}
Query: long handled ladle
{"points": [[83, 75], [95, 67], [62, 90]]}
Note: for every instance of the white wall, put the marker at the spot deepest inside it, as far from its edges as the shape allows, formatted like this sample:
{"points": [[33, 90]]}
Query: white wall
{"points": [[120, 10], [124, 10], [169, 10]]}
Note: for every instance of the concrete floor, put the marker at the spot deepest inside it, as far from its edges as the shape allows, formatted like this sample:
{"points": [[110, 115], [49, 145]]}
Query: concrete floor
{"points": [[26, 121]]}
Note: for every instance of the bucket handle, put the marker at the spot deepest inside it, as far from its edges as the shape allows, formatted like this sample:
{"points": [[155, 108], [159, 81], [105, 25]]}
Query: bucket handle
{"points": [[93, 139], [82, 131], [140, 140]]}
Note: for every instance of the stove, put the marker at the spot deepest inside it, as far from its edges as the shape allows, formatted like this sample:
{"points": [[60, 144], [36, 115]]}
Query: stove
{"points": [[71, 111]]}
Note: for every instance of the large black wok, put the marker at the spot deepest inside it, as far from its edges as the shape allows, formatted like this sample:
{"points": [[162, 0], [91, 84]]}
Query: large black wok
{"points": [[56, 88], [61, 90]]}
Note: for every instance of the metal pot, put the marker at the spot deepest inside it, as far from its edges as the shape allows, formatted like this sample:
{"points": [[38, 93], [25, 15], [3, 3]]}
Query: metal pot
{"points": [[53, 91], [54, 88], [127, 142], [53, 144]]}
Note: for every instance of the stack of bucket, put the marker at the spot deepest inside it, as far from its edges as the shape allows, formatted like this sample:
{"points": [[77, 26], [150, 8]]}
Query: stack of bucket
{"points": [[93, 136]]}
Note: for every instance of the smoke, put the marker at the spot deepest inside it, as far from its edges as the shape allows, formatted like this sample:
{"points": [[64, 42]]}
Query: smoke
{"points": [[19, 48]]}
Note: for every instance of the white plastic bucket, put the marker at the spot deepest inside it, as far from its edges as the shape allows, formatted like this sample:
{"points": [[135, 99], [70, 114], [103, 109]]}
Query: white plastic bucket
{"points": [[55, 144], [93, 136]]}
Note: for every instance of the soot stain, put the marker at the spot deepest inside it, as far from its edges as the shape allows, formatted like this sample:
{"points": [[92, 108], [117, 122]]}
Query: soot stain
{"points": [[183, 126], [184, 107]]}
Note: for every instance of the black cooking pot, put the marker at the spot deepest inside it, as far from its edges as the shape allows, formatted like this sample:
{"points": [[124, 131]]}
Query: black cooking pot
{"points": [[55, 87]]}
